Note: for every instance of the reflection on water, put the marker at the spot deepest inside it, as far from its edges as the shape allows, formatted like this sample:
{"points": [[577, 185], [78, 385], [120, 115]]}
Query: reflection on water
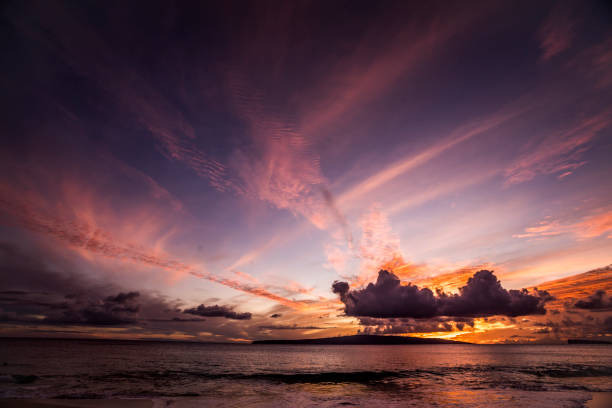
{"points": [[182, 374]]}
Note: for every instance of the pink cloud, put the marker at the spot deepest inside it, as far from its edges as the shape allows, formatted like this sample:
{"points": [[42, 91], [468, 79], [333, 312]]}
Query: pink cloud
{"points": [[370, 70], [284, 169], [556, 32], [420, 197], [593, 225], [594, 62], [560, 152], [157, 191], [76, 226], [378, 247], [90, 55], [281, 167], [400, 167]]}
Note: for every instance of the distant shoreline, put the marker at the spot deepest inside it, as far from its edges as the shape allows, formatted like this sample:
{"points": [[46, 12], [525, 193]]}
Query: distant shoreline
{"points": [[343, 340], [363, 339], [587, 341]]}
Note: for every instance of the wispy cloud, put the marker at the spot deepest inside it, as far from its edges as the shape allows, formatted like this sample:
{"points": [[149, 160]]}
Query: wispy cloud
{"points": [[561, 152], [89, 54], [594, 62], [580, 285], [377, 247], [593, 225], [369, 70], [378, 244], [400, 167], [557, 31], [436, 191], [281, 166], [157, 190], [90, 239]]}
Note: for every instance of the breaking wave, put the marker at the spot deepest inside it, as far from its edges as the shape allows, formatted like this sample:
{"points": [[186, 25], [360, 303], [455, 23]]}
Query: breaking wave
{"points": [[365, 376]]}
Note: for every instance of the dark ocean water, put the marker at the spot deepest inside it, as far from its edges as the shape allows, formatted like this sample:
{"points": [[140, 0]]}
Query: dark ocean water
{"points": [[187, 374]]}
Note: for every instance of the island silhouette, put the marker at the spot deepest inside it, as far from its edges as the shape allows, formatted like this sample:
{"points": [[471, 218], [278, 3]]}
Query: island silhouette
{"points": [[363, 339]]}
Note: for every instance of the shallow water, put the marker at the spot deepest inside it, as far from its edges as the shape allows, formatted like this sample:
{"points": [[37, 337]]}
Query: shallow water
{"points": [[189, 374]]}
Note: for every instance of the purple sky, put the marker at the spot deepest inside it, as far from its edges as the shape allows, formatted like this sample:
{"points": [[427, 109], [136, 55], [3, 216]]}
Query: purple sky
{"points": [[243, 156]]}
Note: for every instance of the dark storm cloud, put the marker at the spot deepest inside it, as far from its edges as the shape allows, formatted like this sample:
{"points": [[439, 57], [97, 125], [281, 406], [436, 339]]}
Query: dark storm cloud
{"points": [[120, 309], [341, 287], [217, 311], [73, 310], [41, 288], [597, 301], [123, 297], [482, 296]]}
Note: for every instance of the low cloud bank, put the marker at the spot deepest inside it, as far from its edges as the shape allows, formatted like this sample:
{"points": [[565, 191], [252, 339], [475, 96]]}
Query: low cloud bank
{"points": [[217, 311], [597, 301], [113, 310]]}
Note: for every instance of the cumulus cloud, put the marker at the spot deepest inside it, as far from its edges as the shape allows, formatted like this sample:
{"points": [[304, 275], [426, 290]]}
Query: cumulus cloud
{"points": [[597, 301], [482, 296], [217, 311]]}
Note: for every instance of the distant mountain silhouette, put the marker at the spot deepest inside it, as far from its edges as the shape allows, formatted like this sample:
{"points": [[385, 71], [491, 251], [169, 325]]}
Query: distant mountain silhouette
{"points": [[362, 339]]}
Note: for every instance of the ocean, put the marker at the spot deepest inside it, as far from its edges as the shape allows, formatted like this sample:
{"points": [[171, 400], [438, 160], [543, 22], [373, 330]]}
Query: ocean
{"points": [[240, 375]]}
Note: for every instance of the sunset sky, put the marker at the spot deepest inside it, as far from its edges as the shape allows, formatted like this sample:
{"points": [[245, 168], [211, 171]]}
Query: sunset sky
{"points": [[208, 170]]}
